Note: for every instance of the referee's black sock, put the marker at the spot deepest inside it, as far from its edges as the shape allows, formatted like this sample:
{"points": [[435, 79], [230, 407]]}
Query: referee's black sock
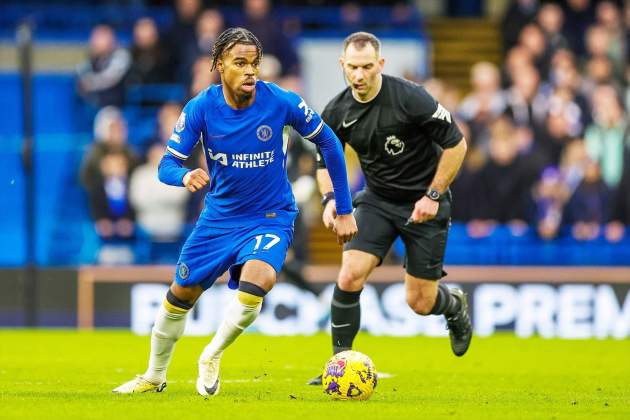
{"points": [[445, 302], [345, 316]]}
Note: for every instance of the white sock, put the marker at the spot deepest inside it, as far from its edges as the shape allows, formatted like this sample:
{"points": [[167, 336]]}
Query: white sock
{"points": [[243, 310], [168, 327]]}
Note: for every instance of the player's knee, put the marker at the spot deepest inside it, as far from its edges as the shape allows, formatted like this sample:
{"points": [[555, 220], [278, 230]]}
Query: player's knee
{"points": [[350, 280], [260, 273], [266, 280], [419, 303], [177, 304]]}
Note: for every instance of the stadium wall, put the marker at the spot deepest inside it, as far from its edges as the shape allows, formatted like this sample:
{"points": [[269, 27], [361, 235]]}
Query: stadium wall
{"points": [[552, 302]]}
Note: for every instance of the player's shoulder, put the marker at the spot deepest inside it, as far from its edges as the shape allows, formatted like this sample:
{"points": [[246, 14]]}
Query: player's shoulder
{"points": [[272, 90]]}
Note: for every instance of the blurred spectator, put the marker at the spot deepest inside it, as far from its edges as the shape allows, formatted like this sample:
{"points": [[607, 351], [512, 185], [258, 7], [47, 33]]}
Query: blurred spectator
{"points": [[572, 164], [207, 29], [464, 184], [101, 77], [167, 117], [445, 93], [606, 136], [150, 62], [564, 76], [551, 20], [209, 26], [550, 195], [202, 77], [270, 69], [518, 14], [160, 209], [586, 210], [599, 70], [598, 67], [533, 38], [517, 57], [104, 173], [351, 16], [579, 16], [563, 123], [486, 102], [620, 205], [259, 19], [500, 186], [597, 41], [525, 104], [609, 17], [182, 37]]}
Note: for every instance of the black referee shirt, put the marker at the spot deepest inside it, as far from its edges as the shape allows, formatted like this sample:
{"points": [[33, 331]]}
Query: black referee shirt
{"points": [[399, 136]]}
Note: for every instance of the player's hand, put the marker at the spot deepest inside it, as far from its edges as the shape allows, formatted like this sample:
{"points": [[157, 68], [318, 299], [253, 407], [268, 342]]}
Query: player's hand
{"points": [[345, 227], [329, 215], [424, 210], [196, 180]]}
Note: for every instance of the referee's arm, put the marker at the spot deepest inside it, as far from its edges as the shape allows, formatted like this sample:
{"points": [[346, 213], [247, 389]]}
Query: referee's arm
{"points": [[450, 162]]}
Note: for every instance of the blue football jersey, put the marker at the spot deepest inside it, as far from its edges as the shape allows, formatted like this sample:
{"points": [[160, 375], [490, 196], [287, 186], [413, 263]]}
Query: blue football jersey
{"points": [[245, 149]]}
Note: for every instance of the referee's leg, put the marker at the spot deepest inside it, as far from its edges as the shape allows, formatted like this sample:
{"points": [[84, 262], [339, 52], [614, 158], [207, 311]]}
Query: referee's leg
{"points": [[430, 297]]}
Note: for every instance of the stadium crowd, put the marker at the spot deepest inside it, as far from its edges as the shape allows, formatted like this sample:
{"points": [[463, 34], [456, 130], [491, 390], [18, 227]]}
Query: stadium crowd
{"points": [[548, 133], [548, 128]]}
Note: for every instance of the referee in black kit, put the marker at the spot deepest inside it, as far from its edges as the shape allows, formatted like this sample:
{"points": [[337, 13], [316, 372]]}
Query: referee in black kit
{"points": [[410, 150]]}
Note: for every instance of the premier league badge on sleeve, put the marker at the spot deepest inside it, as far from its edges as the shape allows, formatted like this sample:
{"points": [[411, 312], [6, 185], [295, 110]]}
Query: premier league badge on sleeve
{"points": [[181, 123]]}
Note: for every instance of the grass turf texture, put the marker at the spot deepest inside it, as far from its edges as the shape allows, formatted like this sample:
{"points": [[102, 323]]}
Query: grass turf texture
{"points": [[68, 374]]}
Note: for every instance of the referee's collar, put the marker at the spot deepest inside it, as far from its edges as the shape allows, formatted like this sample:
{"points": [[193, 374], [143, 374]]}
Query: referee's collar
{"points": [[374, 97]]}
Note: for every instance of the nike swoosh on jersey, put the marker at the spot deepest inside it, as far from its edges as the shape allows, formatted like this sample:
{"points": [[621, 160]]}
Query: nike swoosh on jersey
{"points": [[339, 326], [348, 124]]}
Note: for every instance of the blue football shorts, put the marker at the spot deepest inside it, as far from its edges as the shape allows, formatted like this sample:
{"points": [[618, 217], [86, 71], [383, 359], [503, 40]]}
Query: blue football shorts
{"points": [[210, 251]]}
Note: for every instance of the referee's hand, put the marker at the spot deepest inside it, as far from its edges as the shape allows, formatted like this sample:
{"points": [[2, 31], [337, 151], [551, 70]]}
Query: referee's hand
{"points": [[424, 210], [345, 227], [196, 180]]}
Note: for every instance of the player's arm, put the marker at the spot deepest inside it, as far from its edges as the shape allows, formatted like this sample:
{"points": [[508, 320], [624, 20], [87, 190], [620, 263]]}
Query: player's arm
{"points": [[329, 204], [437, 122], [324, 181], [310, 125], [185, 135], [334, 180]]}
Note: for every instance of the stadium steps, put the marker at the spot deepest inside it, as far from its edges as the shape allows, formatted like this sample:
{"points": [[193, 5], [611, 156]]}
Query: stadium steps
{"points": [[458, 43], [322, 246]]}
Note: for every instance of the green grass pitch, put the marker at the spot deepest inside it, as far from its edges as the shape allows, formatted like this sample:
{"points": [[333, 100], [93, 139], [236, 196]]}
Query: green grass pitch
{"points": [[68, 374]]}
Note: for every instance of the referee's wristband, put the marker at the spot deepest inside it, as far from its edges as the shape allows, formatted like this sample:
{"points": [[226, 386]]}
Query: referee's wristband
{"points": [[327, 197]]}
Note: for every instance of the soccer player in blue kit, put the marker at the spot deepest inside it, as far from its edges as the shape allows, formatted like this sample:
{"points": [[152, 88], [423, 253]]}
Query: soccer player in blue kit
{"points": [[247, 223]]}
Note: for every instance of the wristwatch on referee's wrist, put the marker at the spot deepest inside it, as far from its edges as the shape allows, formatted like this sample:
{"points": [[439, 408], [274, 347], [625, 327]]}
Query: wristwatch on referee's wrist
{"points": [[327, 197], [433, 194]]}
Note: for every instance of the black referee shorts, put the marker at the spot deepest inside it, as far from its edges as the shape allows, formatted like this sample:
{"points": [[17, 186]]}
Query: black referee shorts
{"points": [[380, 222]]}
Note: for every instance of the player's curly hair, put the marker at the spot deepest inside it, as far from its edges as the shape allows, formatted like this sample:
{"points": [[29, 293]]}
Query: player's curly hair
{"points": [[231, 37]]}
